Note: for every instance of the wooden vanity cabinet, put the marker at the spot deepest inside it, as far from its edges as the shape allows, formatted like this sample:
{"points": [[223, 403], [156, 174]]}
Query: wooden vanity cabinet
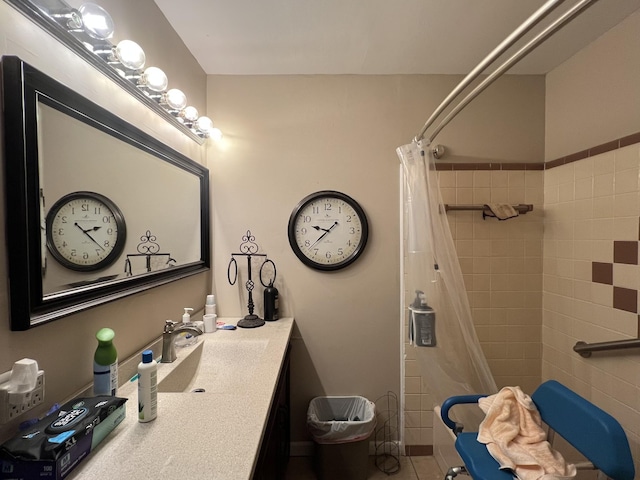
{"points": [[274, 451]]}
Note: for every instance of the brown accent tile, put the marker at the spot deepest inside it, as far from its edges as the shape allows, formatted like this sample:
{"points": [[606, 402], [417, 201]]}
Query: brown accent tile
{"points": [[602, 273], [464, 166], [574, 157], [495, 166], [554, 163], [418, 450], [638, 331], [625, 299], [444, 166], [625, 252], [605, 147], [534, 166], [513, 166], [486, 166], [630, 140]]}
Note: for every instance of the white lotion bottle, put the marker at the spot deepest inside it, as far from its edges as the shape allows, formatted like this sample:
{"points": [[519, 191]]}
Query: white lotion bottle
{"points": [[147, 387], [210, 305]]}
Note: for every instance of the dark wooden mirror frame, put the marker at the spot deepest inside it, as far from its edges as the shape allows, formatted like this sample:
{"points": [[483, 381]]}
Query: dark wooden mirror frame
{"points": [[22, 88]]}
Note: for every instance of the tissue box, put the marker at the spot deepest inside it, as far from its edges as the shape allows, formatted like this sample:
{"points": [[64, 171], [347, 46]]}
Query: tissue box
{"points": [[55, 445]]}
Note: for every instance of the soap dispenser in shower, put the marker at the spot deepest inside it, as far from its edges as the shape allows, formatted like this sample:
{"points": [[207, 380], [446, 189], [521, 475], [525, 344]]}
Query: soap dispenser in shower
{"points": [[422, 322]]}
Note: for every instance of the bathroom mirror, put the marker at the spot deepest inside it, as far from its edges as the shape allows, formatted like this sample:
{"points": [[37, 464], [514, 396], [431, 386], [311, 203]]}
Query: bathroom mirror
{"points": [[96, 209]]}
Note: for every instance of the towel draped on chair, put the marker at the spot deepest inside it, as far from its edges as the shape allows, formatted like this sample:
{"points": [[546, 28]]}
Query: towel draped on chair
{"points": [[512, 430]]}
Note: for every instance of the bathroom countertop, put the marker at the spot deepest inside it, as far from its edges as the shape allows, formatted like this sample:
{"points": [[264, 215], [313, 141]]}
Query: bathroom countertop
{"points": [[197, 435]]}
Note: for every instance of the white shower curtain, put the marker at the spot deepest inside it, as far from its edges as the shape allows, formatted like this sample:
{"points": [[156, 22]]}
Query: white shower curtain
{"points": [[456, 364]]}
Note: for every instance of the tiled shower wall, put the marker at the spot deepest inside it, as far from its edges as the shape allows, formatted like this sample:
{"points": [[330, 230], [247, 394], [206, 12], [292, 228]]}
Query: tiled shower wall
{"points": [[534, 293], [592, 278], [502, 266]]}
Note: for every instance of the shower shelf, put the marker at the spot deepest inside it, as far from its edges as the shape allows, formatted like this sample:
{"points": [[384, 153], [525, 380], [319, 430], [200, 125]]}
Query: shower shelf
{"points": [[521, 208]]}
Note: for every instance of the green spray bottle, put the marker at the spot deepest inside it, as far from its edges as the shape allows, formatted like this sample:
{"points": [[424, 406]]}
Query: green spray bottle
{"points": [[105, 364]]}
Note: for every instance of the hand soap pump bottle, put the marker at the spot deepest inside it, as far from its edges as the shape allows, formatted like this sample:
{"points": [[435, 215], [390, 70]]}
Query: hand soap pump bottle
{"points": [[147, 387], [105, 364], [422, 322], [185, 338]]}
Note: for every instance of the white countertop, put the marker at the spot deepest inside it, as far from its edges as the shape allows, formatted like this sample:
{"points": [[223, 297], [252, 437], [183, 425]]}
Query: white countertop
{"points": [[214, 435]]}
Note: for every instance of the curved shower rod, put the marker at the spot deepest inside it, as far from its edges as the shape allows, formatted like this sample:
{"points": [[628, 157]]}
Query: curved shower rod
{"points": [[519, 55]]}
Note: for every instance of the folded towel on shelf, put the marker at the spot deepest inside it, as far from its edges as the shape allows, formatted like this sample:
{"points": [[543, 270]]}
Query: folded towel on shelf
{"points": [[512, 431], [501, 211]]}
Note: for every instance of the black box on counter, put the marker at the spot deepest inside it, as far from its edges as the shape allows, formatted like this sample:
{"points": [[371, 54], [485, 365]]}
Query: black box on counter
{"points": [[53, 447]]}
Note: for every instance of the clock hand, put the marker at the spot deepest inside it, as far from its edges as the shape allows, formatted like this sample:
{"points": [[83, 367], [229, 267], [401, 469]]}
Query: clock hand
{"points": [[319, 228], [324, 234], [87, 234]]}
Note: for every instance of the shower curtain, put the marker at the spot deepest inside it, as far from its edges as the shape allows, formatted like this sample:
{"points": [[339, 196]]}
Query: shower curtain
{"points": [[456, 364]]}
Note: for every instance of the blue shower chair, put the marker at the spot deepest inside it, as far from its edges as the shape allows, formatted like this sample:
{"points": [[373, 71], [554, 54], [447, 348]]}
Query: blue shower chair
{"points": [[593, 432]]}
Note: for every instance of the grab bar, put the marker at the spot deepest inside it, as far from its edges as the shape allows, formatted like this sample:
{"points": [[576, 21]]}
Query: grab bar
{"points": [[521, 208], [585, 349]]}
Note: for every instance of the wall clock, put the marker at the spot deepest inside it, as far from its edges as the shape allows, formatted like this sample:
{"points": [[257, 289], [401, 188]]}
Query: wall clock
{"points": [[85, 231], [328, 230]]}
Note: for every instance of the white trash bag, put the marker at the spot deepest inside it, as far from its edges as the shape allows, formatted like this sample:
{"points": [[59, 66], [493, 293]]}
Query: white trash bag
{"points": [[340, 419]]}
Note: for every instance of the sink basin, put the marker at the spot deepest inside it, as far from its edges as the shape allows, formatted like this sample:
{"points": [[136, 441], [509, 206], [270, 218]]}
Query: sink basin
{"points": [[214, 366]]}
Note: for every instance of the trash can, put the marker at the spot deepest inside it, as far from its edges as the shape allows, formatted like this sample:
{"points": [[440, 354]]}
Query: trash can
{"points": [[341, 427]]}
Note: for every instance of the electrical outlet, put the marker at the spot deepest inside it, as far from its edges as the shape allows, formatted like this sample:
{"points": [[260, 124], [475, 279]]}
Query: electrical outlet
{"points": [[12, 405]]}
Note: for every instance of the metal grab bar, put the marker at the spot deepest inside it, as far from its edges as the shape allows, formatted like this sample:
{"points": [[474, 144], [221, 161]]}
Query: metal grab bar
{"points": [[521, 208], [585, 349]]}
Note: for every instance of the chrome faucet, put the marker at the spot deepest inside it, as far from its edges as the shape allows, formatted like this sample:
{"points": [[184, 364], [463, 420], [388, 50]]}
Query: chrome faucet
{"points": [[169, 334]]}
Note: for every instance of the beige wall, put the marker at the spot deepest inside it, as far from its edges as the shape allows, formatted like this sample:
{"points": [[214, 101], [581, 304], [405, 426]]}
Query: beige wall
{"points": [[578, 118], [64, 348], [288, 136], [589, 204]]}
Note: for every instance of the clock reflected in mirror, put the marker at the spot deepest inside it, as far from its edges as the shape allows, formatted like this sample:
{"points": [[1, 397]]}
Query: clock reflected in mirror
{"points": [[328, 230], [85, 231]]}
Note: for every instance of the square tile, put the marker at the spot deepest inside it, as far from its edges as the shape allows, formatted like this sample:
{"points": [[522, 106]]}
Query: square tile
{"points": [[602, 272], [625, 252], [625, 299]]}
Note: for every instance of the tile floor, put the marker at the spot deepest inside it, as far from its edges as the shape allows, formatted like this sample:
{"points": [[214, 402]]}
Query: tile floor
{"points": [[411, 468]]}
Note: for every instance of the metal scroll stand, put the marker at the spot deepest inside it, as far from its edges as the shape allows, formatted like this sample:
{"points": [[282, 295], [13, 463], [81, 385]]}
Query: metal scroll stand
{"points": [[249, 249], [147, 248]]}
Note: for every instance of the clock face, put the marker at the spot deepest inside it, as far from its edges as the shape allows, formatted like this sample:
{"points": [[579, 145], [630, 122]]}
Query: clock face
{"points": [[85, 231], [328, 230]]}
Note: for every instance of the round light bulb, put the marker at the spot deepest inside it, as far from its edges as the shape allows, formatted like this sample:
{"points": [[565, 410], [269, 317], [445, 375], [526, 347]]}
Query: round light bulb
{"points": [[216, 134], [190, 114], [175, 99], [130, 54], [204, 125], [97, 22], [154, 79]]}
